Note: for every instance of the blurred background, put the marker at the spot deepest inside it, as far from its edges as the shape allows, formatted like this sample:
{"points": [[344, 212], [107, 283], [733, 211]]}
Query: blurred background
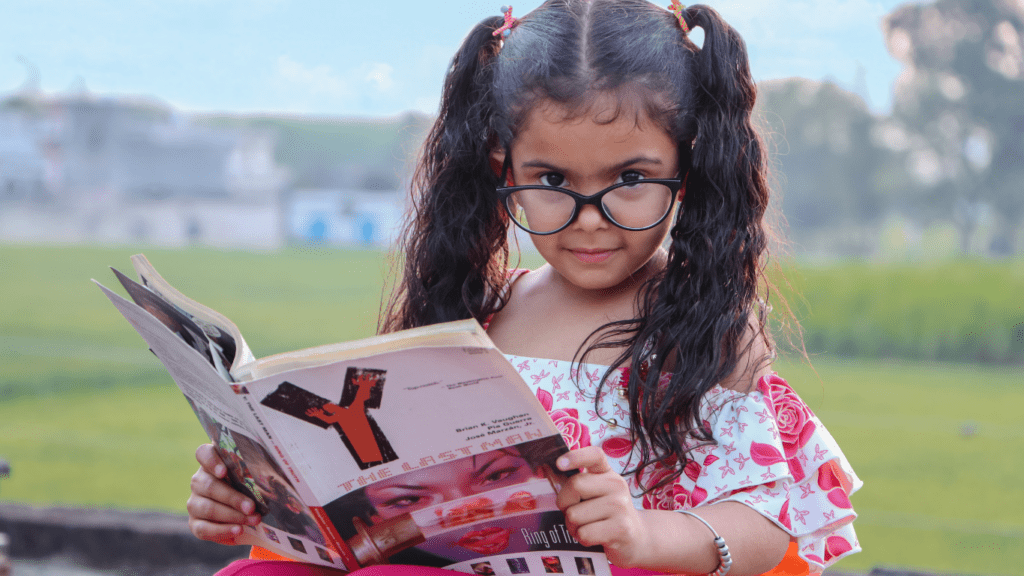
{"points": [[259, 153]]}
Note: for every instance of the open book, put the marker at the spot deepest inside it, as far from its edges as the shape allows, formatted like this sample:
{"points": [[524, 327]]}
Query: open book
{"points": [[419, 447]]}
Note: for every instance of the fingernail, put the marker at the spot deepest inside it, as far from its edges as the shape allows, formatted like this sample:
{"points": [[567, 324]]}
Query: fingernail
{"points": [[563, 463], [236, 530], [220, 471], [248, 507]]}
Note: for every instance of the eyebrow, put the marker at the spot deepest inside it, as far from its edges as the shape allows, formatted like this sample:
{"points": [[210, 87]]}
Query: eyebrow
{"points": [[615, 168], [405, 487]]}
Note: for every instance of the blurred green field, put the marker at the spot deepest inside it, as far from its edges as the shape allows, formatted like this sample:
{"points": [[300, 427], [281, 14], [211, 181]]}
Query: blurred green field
{"points": [[89, 417], [950, 310]]}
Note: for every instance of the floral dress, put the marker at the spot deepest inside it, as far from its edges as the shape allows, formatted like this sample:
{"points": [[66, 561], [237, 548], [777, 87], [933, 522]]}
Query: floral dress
{"points": [[771, 453]]}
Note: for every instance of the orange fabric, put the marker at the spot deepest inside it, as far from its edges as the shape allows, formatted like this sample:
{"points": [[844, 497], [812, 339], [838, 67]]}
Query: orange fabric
{"points": [[258, 553], [792, 564]]}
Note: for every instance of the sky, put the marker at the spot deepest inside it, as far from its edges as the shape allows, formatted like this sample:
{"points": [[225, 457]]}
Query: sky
{"points": [[367, 58]]}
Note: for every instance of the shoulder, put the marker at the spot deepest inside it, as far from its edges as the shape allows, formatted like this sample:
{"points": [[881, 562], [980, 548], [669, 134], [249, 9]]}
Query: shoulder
{"points": [[520, 278], [754, 359]]}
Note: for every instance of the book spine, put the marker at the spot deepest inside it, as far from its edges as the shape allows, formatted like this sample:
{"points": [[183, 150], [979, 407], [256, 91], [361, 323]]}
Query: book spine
{"points": [[334, 538], [271, 441]]}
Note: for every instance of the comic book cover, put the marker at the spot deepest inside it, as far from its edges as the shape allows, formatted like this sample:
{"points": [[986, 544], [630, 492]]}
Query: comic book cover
{"points": [[430, 456], [424, 448]]}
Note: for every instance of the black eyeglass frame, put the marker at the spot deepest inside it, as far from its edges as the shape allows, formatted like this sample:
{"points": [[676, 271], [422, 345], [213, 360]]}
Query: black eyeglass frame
{"points": [[673, 184]]}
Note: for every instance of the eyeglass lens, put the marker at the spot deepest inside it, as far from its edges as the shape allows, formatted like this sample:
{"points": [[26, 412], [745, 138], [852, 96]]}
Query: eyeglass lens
{"points": [[636, 206]]}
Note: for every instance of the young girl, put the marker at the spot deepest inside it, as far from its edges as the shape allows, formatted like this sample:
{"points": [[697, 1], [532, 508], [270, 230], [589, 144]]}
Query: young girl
{"points": [[628, 154]]}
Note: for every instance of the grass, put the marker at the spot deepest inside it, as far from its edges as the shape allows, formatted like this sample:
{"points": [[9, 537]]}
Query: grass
{"points": [[940, 449], [88, 417], [951, 310]]}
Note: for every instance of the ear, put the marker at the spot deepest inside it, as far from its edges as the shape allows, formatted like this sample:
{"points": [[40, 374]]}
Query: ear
{"points": [[498, 162], [682, 189]]}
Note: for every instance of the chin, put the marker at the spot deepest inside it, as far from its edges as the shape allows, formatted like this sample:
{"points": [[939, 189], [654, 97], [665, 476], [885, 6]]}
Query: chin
{"points": [[603, 278]]}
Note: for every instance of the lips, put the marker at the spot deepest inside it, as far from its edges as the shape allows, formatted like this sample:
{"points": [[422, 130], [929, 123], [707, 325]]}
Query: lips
{"points": [[593, 255], [487, 541]]}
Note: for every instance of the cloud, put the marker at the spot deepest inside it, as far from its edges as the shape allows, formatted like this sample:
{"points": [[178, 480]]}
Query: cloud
{"points": [[379, 75], [319, 80]]}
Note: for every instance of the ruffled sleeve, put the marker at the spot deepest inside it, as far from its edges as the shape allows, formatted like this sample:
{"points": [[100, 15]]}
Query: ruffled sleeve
{"points": [[772, 454]]}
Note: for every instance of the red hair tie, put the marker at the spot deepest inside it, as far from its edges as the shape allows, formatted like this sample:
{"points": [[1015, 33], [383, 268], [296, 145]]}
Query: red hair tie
{"points": [[677, 9], [506, 28]]}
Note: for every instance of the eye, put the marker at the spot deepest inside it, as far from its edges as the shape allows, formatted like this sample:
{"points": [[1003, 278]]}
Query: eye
{"points": [[499, 475], [405, 501], [631, 176], [552, 179]]}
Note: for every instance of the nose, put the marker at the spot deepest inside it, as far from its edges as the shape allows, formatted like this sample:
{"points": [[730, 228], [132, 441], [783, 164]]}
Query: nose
{"points": [[454, 492], [590, 218]]}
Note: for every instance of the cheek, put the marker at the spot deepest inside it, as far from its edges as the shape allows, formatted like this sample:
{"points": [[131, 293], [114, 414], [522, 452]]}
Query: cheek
{"points": [[545, 245]]}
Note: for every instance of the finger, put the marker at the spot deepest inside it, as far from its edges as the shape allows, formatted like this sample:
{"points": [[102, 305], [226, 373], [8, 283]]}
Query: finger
{"points": [[586, 512], [208, 459], [214, 532], [591, 458], [567, 496], [205, 485], [600, 533], [200, 508], [589, 486]]}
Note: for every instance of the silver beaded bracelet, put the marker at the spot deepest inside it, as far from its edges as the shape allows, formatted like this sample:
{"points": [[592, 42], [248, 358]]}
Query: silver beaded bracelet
{"points": [[724, 559]]}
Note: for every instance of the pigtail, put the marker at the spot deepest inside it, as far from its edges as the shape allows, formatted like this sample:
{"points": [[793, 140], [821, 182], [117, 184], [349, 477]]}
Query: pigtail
{"points": [[699, 310], [455, 240]]}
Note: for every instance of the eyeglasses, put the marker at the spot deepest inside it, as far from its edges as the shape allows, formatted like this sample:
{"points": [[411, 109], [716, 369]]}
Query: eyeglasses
{"points": [[636, 205]]}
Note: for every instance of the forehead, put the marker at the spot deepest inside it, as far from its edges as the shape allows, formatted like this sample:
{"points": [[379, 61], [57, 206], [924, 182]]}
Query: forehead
{"points": [[606, 126]]}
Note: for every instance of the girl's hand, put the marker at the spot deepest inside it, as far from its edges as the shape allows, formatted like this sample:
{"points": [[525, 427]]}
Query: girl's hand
{"points": [[216, 511], [599, 509]]}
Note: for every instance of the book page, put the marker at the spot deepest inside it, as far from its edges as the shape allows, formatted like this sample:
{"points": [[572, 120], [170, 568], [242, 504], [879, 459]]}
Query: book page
{"points": [[288, 525], [220, 330], [466, 333]]}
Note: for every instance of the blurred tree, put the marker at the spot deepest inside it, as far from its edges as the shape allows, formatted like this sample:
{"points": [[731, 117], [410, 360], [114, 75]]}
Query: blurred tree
{"points": [[828, 168], [959, 110]]}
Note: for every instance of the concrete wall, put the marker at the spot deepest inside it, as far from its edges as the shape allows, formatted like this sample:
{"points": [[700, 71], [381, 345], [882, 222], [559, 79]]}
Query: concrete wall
{"points": [[148, 543]]}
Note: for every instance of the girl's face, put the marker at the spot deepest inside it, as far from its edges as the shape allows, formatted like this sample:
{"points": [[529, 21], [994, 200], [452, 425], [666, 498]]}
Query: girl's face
{"points": [[587, 154], [443, 483]]}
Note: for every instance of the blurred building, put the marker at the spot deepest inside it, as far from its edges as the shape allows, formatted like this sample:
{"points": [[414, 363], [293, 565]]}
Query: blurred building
{"points": [[112, 171], [345, 217], [103, 170], [22, 167]]}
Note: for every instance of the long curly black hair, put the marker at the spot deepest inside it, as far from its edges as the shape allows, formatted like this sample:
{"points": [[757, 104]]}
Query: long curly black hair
{"points": [[698, 311]]}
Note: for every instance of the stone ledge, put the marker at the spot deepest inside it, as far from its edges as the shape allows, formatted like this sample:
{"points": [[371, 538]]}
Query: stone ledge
{"points": [[110, 539]]}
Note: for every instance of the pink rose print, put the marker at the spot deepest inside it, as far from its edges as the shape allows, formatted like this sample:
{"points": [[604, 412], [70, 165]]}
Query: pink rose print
{"points": [[836, 546], [624, 376], [692, 470], [839, 498], [831, 479], [765, 454], [664, 497], [616, 447], [831, 475], [687, 499], [575, 433], [792, 417], [545, 399], [784, 515]]}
